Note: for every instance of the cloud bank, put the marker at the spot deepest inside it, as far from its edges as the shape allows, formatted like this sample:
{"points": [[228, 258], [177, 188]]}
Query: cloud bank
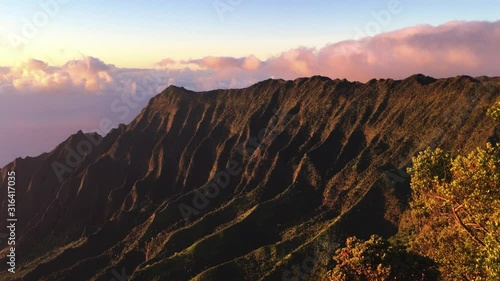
{"points": [[454, 48], [57, 100]]}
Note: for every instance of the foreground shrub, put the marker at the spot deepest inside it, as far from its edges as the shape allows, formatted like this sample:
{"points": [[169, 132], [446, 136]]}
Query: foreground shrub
{"points": [[377, 259]]}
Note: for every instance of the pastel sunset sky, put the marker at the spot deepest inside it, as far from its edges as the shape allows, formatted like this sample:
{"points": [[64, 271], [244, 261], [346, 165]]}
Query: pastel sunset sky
{"points": [[67, 65]]}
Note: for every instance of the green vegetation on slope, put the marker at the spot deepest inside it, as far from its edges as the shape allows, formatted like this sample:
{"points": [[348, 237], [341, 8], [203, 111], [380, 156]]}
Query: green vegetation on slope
{"points": [[454, 216], [453, 219], [377, 259]]}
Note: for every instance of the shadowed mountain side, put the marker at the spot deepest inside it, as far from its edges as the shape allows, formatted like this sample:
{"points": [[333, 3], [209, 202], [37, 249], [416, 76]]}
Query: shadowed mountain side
{"points": [[286, 170]]}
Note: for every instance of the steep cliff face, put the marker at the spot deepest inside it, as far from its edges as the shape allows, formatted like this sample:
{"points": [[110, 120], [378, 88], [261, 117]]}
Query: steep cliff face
{"points": [[247, 183]]}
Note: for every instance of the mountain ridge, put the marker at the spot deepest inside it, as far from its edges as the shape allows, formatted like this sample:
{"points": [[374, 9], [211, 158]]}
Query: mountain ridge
{"points": [[313, 154]]}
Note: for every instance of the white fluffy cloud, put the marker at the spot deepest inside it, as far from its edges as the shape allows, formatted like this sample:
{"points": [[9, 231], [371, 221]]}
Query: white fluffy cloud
{"points": [[86, 75]]}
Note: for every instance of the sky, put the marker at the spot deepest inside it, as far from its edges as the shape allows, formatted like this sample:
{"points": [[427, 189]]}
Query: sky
{"points": [[67, 65], [137, 33]]}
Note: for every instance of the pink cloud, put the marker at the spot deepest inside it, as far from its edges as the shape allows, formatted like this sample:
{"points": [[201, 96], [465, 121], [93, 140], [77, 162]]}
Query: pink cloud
{"points": [[166, 62], [217, 63], [454, 48]]}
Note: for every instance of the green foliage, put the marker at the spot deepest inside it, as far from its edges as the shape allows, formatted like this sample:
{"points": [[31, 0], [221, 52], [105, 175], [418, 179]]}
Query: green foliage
{"points": [[455, 212], [494, 111], [377, 259], [454, 220]]}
